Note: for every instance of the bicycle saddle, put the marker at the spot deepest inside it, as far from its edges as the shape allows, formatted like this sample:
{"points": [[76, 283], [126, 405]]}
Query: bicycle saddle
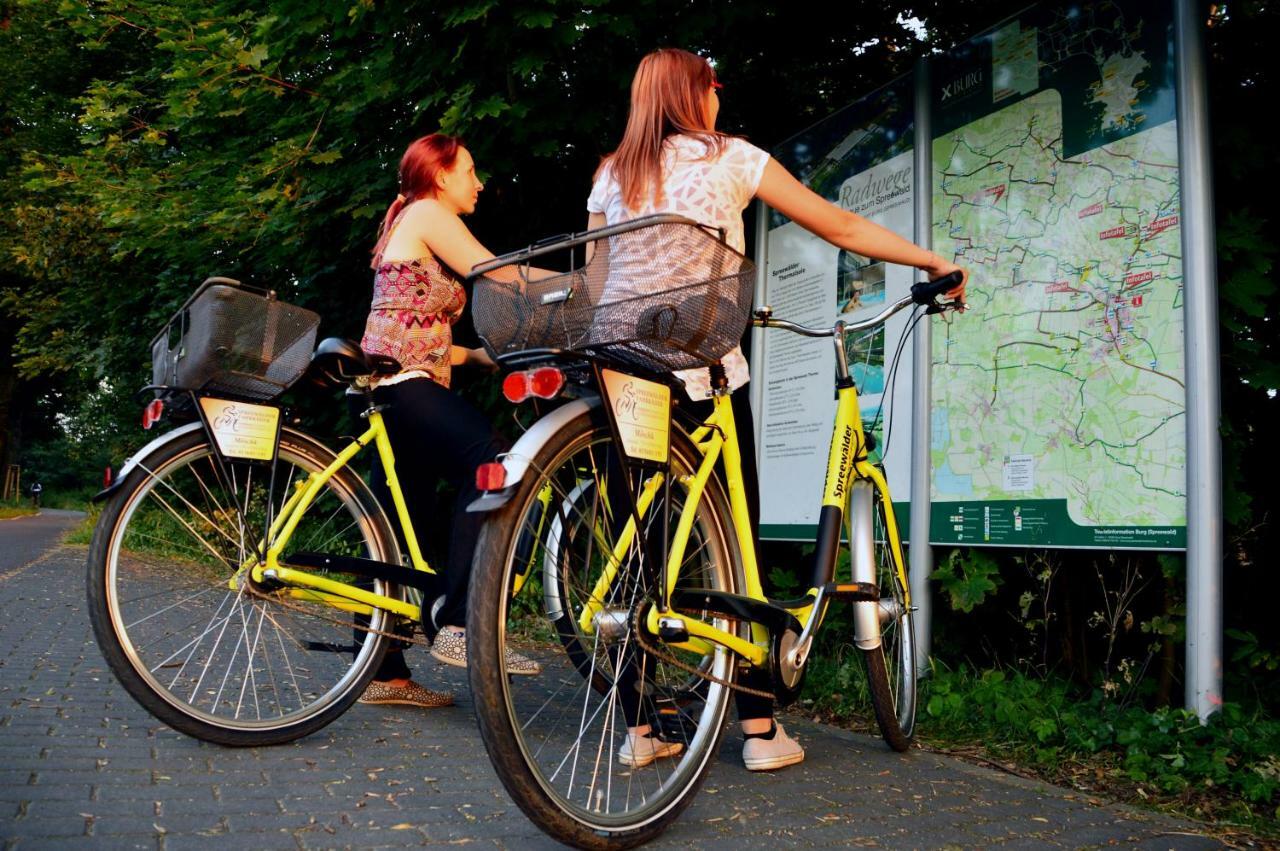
{"points": [[337, 361]]}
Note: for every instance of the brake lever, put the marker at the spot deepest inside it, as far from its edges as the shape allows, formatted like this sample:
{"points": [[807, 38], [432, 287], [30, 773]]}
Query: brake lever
{"points": [[935, 307]]}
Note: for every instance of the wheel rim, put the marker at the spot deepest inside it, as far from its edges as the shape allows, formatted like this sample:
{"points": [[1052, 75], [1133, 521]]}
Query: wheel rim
{"points": [[221, 656], [570, 721], [897, 635]]}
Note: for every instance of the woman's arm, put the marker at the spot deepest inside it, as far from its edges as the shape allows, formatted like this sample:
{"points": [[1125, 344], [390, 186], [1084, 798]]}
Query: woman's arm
{"points": [[461, 356], [449, 240], [594, 222], [780, 190]]}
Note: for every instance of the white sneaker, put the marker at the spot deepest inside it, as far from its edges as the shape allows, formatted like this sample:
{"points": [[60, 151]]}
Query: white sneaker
{"points": [[762, 754], [639, 751]]}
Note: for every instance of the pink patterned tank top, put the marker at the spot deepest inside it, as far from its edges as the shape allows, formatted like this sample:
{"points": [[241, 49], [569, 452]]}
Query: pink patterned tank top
{"points": [[415, 303]]}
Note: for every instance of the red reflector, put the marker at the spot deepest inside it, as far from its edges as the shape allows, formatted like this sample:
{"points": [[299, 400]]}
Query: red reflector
{"points": [[546, 382], [491, 476], [151, 413], [516, 387]]}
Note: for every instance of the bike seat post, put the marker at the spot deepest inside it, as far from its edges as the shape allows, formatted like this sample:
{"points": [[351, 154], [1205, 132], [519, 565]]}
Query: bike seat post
{"points": [[719, 379], [362, 384]]}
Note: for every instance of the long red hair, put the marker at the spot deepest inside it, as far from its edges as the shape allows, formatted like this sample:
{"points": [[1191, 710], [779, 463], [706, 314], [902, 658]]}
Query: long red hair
{"points": [[422, 162], [668, 96]]}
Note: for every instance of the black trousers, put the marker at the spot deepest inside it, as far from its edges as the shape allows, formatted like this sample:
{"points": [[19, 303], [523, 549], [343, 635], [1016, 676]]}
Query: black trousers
{"points": [[437, 435], [749, 706]]}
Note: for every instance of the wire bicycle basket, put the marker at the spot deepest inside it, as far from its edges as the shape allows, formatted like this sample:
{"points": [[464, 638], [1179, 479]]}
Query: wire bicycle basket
{"points": [[232, 339], [662, 292]]}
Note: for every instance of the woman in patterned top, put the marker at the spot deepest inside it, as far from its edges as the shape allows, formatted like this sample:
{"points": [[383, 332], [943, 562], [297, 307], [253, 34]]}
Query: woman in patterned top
{"points": [[673, 160], [423, 249]]}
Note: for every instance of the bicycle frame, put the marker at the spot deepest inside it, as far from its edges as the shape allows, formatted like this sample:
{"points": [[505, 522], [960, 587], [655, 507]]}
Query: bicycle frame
{"points": [[308, 586], [717, 439]]}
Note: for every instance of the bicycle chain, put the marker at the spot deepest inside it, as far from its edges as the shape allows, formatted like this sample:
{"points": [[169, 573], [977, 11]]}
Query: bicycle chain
{"points": [[410, 639]]}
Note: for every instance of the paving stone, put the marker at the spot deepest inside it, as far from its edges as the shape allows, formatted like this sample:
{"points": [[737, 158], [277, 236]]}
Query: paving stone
{"points": [[77, 754]]}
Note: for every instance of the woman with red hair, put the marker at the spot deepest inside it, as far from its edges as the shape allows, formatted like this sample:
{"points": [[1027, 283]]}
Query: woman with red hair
{"points": [[422, 253], [673, 160]]}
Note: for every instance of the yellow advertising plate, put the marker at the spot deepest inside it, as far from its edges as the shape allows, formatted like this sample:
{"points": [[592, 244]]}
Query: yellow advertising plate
{"points": [[642, 410], [242, 430]]}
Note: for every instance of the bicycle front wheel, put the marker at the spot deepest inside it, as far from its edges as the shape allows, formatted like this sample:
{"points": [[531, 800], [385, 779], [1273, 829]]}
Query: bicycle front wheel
{"points": [[559, 739], [210, 657], [891, 664]]}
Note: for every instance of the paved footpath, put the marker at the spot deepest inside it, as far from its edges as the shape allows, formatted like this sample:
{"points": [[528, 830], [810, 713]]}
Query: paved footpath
{"points": [[82, 765]]}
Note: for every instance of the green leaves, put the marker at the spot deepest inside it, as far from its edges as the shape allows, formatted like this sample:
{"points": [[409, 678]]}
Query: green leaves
{"points": [[1047, 723], [968, 576], [468, 12], [490, 107], [537, 19], [1247, 250], [253, 57]]}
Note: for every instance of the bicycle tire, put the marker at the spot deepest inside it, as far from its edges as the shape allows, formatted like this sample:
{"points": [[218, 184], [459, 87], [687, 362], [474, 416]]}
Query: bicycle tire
{"points": [[508, 708], [162, 554], [891, 665]]}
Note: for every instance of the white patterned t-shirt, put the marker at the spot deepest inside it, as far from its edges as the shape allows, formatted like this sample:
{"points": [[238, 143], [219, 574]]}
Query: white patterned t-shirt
{"points": [[710, 191]]}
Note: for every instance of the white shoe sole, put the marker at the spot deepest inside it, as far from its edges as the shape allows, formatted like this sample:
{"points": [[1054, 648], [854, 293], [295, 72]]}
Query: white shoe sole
{"points": [[632, 762], [770, 763]]}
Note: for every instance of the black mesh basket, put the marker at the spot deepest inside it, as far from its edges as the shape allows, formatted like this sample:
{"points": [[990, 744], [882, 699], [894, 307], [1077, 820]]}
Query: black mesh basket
{"points": [[233, 339], [662, 292]]}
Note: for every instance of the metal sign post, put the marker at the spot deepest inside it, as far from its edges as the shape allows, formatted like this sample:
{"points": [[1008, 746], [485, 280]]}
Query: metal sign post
{"points": [[921, 558], [1204, 402]]}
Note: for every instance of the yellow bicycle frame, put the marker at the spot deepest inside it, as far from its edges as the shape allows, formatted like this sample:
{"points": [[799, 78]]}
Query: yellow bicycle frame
{"points": [[308, 586], [716, 437]]}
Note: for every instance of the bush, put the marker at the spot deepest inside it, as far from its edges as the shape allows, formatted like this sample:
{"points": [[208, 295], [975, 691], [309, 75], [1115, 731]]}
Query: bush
{"points": [[1233, 758]]}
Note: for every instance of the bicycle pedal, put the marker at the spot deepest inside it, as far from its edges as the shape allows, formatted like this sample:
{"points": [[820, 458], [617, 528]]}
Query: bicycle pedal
{"points": [[672, 630], [853, 591]]}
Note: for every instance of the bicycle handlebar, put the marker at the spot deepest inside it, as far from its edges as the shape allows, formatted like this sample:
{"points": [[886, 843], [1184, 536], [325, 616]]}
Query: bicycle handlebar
{"points": [[924, 293]]}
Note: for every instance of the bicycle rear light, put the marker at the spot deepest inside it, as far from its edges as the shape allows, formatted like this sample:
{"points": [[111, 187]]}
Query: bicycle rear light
{"points": [[491, 476], [151, 413], [545, 382], [516, 387]]}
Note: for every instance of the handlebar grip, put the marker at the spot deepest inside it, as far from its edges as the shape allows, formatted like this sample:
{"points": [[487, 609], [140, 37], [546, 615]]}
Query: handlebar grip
{"points": [[926, 291]]}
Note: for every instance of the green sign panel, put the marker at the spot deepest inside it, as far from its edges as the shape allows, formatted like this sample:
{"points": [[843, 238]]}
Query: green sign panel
{"points": [[1059, 399]]}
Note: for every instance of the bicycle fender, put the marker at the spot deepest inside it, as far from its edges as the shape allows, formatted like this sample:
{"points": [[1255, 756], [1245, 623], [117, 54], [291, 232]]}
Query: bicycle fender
{"points": [[516, 460], [132, 460]]}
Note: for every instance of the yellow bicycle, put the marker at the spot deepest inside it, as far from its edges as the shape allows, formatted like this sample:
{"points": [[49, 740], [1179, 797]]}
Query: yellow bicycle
{"points": [[243, 581], [650, 593]]}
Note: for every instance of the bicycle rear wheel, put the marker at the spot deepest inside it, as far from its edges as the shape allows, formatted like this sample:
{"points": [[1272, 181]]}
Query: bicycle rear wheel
{"points": [[891, 665], [225, 664], [557, 739]]}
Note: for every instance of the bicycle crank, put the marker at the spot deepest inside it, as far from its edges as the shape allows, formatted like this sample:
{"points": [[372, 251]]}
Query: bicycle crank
{"points": [[787, 666]]}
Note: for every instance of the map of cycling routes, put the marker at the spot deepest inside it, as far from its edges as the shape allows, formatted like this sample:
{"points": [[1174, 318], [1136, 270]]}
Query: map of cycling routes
{"points": [[1072, 381]]}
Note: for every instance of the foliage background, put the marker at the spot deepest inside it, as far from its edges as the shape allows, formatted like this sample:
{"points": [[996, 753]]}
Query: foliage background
{"points": [[147, 144]]}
